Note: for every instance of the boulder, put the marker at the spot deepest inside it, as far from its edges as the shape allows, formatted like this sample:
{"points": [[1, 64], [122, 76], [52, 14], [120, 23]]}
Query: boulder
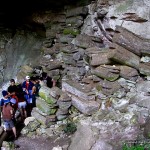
{"points": [[131, 41], [44, 107], [143, 86], [83, 41], [144, 68], [68, 59], [108, 87], [79, 55], [52, 73], [128, 72], [55, 92], [123, 56], [77, 11], [76, 21], [86, 107], [83, 138], [44, 93], [40, 118], [50, 120], [110, 73], [82, 91], [33, 125], [64, 98], [100, 58], [28, 120], [64, 105], [54, 65]]}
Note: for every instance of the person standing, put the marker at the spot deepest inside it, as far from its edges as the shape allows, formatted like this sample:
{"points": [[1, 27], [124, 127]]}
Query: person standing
{"points": [[4, 100], [35, 89], [8, 116], [50, 82], [28, 92], [12, 88]]}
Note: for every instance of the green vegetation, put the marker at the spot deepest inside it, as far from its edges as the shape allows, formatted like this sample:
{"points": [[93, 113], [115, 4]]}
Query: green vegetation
{"points": [[70, 128], [99, 87], [48, 99], [142, 146], [73, 32]]}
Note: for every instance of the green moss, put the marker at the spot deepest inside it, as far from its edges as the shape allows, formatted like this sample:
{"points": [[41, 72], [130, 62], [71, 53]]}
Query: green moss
{"points": [[142, 145], [73, 32], [70, 128], [42, 95], [49, 99], [112, 78], [40, 107], [42, 50], [50, 112], [99, 87]]}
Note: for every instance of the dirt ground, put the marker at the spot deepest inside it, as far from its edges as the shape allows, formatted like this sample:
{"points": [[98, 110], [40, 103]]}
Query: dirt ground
{"points": [[41, 143]]}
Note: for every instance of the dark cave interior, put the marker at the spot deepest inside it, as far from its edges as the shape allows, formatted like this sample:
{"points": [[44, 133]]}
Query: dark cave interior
{"points": [[15, 13]]}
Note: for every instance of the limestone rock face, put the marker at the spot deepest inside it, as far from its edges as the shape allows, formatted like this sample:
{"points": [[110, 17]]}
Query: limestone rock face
{"points": [[19, 50], [130, 16], [98, 55], [131, 41]]}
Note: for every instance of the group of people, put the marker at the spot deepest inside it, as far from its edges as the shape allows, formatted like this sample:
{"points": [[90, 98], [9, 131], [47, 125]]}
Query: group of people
{"points": [[21, 98]]}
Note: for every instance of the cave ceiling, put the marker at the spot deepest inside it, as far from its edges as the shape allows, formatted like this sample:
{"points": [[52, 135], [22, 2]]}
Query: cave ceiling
{"points": [[15, 12]]}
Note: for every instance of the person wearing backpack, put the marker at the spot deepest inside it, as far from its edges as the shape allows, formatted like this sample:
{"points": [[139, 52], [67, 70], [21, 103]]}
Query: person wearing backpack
{"points": [[4, 100], [8, 116]]}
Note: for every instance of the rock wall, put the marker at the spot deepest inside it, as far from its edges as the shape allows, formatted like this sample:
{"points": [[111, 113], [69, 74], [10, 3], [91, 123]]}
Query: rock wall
{"points": [[17, 49], [101, 65]]}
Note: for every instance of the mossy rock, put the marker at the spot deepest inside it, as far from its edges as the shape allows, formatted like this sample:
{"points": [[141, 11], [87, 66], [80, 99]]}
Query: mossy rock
{"points": [[73, 32], [109, 78], [99, 87], [48, 99], [51, 111]]}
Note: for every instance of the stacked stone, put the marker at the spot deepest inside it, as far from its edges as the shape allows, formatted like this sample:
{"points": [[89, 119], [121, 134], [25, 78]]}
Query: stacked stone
{"points": [[46, 104], [75, 49], [59, 52], [64, 103]]}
